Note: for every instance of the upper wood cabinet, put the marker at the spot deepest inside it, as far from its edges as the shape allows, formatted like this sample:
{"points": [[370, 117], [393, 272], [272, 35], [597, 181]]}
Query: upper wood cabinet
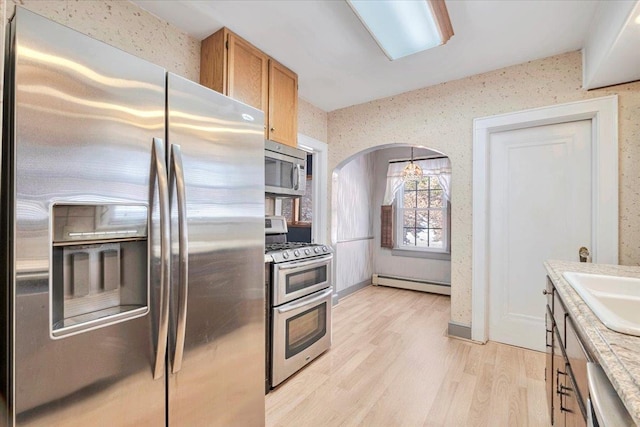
{"points": [[283, 104], [247, 77], [236, 68]]}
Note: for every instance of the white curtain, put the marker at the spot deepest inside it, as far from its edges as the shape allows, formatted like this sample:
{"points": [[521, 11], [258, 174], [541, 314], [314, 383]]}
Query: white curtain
{"points": [[441, 168], [394, 182]]}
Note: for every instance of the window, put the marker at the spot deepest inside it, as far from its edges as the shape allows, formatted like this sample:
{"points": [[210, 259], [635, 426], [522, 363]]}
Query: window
{"points": [[422, 216]]}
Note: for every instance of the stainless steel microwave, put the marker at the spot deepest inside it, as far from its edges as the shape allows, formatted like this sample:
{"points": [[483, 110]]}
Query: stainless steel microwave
{"points": [[284, 170]]}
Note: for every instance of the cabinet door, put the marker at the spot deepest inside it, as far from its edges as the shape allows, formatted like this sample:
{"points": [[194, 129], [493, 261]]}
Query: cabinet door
{"points": [[283, 104], [213, 61], [570, 405], [566, 408], [247, 73], [558, 380]]}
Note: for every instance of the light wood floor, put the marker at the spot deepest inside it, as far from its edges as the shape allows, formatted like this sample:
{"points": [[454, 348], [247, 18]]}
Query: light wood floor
{"points": [[392, 365]]}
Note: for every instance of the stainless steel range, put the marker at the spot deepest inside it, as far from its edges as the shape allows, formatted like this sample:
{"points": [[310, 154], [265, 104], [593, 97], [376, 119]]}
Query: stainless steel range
{"points": [[299, 289]]}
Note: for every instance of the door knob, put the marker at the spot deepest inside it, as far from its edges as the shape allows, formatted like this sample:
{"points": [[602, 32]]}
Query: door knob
{"points": [[584, 255]]}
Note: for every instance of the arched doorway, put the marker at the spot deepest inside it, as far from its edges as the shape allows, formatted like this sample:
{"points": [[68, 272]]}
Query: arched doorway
{"points": [[358, 189]]}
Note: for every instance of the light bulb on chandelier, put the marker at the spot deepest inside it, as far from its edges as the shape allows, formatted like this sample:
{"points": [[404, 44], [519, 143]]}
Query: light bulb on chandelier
{"points": [[412, 172]]}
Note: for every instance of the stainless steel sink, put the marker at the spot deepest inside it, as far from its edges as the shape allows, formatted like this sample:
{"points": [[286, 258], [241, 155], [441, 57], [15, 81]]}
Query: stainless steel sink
{"points": [[614, 300]]}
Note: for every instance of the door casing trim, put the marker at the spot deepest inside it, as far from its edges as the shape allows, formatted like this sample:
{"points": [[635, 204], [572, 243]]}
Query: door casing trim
{"points": [[320, 199], [603, 113]]}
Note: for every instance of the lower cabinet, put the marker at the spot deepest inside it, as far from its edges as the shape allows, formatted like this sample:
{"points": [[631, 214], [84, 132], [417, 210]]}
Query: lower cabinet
{"points": [[565, 371]]}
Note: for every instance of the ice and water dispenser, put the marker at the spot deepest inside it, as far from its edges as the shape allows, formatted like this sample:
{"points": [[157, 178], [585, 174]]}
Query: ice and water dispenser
{"points": [[100, 259]]}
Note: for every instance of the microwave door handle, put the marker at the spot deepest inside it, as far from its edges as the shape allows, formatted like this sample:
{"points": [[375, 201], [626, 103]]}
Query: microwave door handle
{"points": [[294, 177], [177, 174], [299, 174], [159, 173], [308, 300]]}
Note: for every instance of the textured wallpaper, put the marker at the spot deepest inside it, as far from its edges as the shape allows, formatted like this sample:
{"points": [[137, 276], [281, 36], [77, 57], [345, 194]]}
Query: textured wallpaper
{"points": [[312, 121], [125, 26], [441, 117]]}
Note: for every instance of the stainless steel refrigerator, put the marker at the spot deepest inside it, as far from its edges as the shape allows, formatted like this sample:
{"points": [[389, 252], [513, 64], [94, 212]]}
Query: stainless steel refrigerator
{"points": [[132, 241]]}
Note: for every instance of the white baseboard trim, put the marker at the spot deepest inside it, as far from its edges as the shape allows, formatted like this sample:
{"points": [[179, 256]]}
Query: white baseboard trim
{"points": [[411, 284], [351, 289]]}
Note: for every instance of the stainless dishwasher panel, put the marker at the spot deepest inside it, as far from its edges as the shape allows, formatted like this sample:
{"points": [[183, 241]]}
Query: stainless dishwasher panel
{"points": [[605, 407]]}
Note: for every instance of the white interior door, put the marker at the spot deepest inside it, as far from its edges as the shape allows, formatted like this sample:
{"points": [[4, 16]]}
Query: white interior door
{"points": [[540, 208]]}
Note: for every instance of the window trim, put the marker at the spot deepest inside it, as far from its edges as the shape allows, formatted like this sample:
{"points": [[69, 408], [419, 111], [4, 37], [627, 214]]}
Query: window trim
{"points": [[409, 253], [405, 250]]}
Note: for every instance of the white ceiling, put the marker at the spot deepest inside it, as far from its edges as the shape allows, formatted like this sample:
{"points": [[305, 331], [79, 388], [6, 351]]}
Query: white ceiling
{"points": [[339, 64]]}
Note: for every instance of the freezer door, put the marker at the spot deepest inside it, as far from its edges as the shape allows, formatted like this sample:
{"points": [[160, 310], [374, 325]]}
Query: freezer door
{"points": [[217, 371], [82, 305]]}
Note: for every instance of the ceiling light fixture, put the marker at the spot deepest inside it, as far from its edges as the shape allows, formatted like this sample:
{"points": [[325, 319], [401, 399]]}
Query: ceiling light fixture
{"points": [[404, 27], [412, 172]]}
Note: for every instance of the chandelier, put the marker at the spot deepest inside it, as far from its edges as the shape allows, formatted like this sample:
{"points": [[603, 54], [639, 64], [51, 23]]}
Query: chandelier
{"points": [[412, 172]]}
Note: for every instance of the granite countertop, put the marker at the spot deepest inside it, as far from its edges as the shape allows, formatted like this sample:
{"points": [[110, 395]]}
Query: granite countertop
{"points": [[617, 353]]}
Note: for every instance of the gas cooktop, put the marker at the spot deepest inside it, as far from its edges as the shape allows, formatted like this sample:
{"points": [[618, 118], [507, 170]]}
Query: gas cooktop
{"points": [[280, 250]]}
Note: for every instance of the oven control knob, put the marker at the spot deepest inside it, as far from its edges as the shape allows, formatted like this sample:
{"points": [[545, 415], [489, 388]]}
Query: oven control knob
{"points": [[316, 250], [285, 254], [324, 249], [296, 252], [307, 251]]}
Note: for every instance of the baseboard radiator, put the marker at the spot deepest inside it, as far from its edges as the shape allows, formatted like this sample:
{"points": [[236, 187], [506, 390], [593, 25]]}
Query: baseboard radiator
{"points": [[413, 284]]}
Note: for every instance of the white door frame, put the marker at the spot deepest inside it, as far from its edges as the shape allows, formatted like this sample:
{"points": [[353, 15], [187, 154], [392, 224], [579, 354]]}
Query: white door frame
{"points": [[603, 113], [320, 201]]}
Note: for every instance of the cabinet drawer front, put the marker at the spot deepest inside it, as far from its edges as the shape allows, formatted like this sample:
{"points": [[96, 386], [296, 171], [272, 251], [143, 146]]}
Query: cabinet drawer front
{"points": [[560, 318], [577, 357]]}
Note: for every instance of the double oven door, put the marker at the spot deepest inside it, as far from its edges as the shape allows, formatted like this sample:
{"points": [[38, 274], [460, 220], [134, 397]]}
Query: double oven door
{"points": [[301, 314], [296, 279]]}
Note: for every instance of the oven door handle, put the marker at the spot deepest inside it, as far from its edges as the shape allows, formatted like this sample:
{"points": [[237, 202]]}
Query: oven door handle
{"points": [[297, 171], [308, 300], [296, 264]]}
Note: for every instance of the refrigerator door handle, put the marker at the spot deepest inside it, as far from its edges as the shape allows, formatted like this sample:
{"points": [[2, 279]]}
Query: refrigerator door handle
{"points": [[177, 174], [159, 173]]}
